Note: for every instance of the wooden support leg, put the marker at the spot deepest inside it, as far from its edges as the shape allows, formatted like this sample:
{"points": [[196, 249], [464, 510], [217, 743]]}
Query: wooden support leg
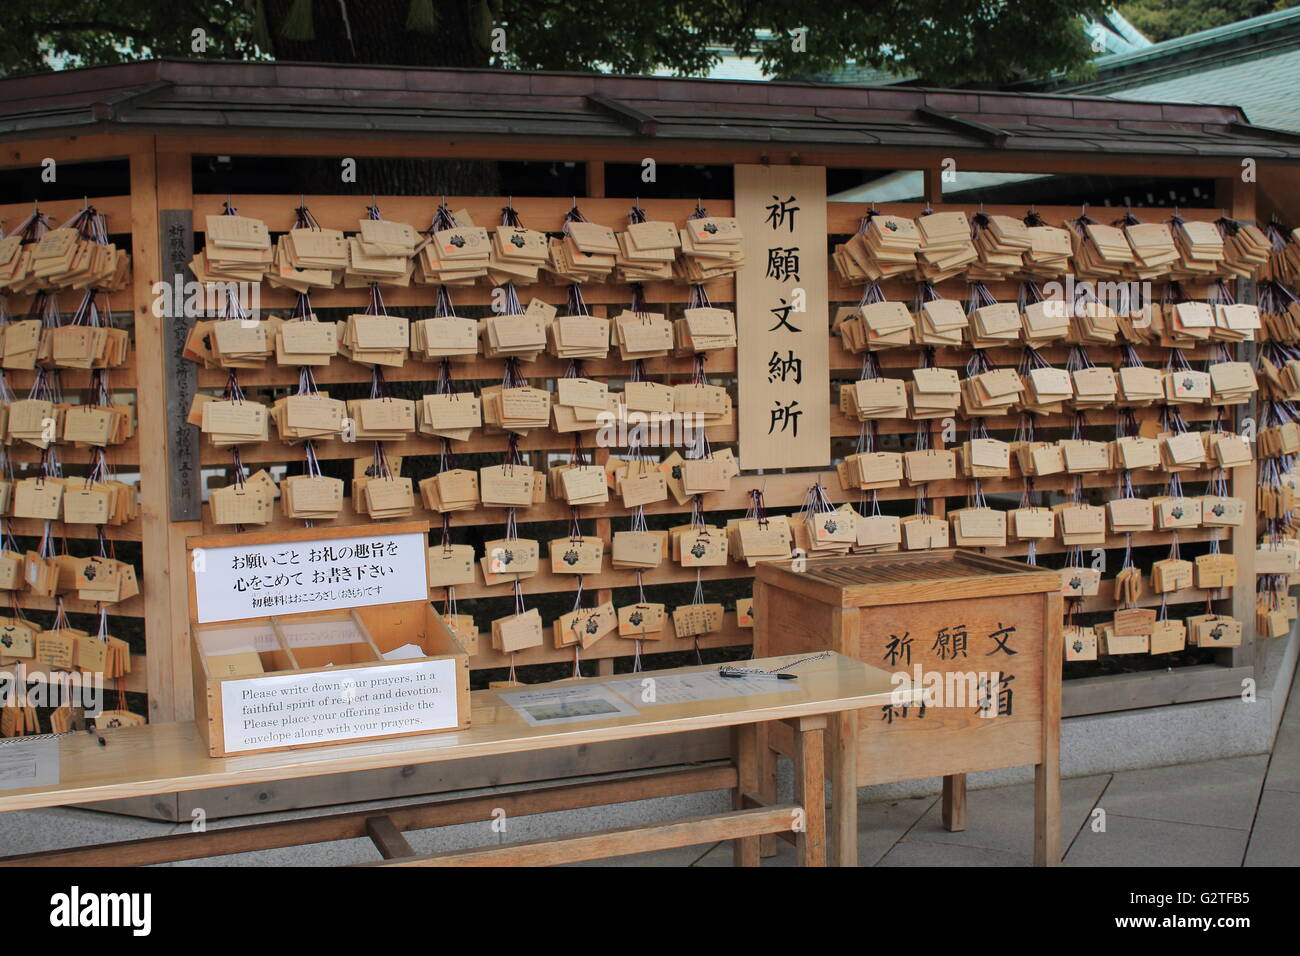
{"points": [[766, 785], [954, 802], [1047, 774], [387, 838], [1047, 814], [810, 789], [844, 790], [745, 744]]}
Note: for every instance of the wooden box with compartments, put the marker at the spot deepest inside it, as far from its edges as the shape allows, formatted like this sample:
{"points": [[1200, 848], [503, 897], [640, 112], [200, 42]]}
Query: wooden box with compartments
{"points": [[317, 636]]}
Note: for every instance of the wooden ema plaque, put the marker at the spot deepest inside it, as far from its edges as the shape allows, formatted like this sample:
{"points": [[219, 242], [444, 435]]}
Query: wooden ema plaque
{"points": [[980, 635], [347, 665]]}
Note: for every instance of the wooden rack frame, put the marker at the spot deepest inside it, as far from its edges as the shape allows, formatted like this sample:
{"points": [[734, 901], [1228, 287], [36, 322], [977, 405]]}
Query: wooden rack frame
{"points": [[162, 215]]}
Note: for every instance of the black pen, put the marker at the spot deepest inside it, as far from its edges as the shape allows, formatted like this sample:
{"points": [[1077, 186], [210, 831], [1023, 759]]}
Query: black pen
{"points": [[740, 674]]}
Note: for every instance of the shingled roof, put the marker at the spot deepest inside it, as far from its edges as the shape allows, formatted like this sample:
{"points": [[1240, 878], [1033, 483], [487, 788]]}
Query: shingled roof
{"points": [[1254, 64], [243, 98]]}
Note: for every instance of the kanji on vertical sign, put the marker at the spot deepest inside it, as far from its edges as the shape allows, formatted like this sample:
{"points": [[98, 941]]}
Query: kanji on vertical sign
{"points": [[782, 322]]}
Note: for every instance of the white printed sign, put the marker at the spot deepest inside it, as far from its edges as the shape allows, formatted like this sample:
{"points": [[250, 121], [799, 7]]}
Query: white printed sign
{"points": [[350, 703], [693, 688], [567, 705], [29, 762], [294, 577]]}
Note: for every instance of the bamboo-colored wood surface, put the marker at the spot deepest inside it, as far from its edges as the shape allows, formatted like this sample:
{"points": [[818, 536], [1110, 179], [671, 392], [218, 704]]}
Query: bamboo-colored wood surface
{"points": [[172, 757]]}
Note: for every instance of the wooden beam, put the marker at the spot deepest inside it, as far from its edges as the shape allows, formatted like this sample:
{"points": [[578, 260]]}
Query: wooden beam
{"points": [[292, 143], [388, 840], [83, 147], [1158, 688], [995, 137], [354, 825], [108, 109], [623, 841], [639, 122]]}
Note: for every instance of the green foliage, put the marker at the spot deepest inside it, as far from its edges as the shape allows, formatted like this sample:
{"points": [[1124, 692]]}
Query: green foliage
{"points": [[945, 42], [39, 34], [1165, 19]]}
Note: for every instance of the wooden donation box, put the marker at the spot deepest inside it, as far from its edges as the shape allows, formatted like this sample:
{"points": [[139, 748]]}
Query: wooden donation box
{"points": [[321, 635], [981, 636]]}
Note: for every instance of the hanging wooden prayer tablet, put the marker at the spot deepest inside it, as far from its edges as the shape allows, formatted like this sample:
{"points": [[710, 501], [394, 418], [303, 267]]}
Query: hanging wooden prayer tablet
{"points": [[1079, 582], [450, 565], [517, 631], [510, 557], [692, 620], [641, 621], [1168, 637], [1215, 571], [56, 648], [1080, 643], [17, 638], [585, 625], [1214, 630], [581, 555]]}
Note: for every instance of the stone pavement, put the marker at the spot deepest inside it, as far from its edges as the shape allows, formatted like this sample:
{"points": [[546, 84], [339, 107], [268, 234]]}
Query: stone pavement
{"points": [[1232, 812]]}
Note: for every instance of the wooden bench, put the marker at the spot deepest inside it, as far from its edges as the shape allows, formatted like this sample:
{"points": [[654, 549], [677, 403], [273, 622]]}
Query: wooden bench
{"points": [[167, 758]]}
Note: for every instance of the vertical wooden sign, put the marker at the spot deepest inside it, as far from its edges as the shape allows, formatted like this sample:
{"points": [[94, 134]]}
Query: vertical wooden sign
{"points": [[782, 322], [176, 232]]}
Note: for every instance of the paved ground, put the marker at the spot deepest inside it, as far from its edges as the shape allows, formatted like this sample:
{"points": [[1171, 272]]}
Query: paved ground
{"points": [[1235, 812]]}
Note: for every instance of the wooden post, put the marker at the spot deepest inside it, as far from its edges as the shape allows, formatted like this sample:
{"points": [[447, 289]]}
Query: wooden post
{"points": [[168, 697], [810, 788], [766, 755], [844, 753], [844, 789], [1238, 200], [595, 178], [933, 186], [745, 851], [954, 802], [172, 190], [1047, 774]]}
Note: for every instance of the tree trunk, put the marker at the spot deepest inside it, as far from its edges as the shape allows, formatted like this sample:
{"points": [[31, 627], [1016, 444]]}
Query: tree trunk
{"points": [[375, 32]]}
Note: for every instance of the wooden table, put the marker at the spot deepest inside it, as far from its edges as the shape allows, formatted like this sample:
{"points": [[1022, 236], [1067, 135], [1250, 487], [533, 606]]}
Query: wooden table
{"points": [[167, 758]]}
